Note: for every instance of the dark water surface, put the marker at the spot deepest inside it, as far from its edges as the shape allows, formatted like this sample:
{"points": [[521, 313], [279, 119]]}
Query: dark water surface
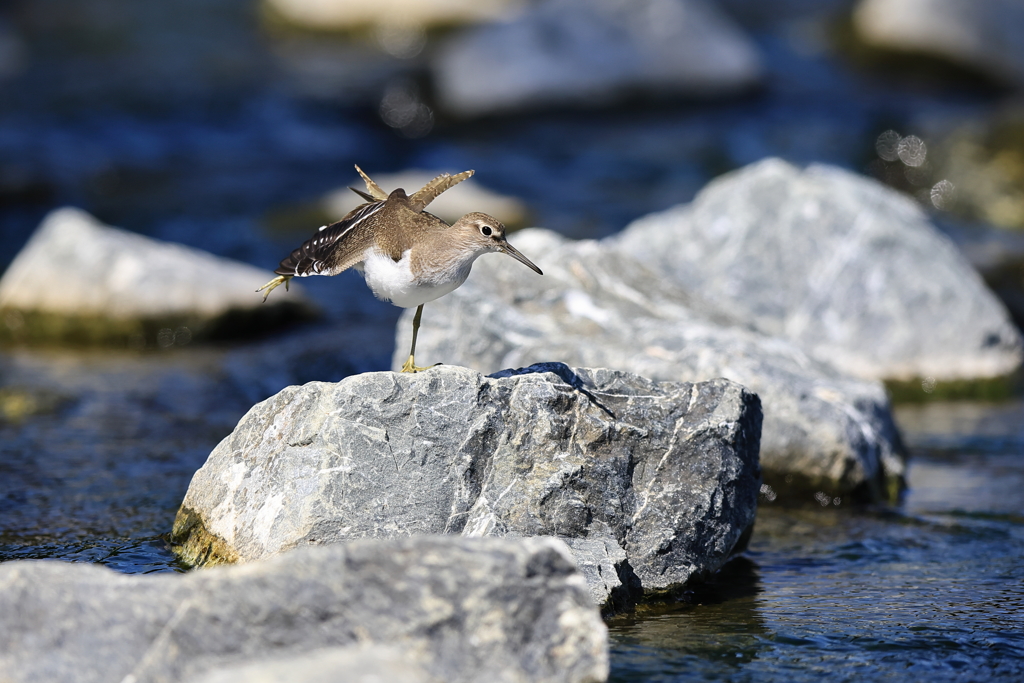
{"points": [[932, 590], [97, 450]]}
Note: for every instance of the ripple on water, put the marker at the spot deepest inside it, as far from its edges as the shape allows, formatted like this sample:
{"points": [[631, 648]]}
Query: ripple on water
{"points": [[933, 591]]}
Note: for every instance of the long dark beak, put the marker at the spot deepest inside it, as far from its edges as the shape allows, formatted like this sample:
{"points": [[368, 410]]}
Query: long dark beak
{"points": [[518, 256]]}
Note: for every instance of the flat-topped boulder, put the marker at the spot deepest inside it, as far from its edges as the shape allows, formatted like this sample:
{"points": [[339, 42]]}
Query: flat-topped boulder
{"points": [[408, 610], [586, 52], [824, 431], [80, 281], [852, 272], [650, 484]]}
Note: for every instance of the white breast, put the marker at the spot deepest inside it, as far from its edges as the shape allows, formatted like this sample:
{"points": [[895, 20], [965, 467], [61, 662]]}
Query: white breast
{"points": [[393, 281]]}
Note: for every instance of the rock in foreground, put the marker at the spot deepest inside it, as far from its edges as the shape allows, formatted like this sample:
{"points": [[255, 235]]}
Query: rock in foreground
{"points": [[595, 306], [651, 484], [578, 52], [80, 281], [849, 270], [410, 610]]}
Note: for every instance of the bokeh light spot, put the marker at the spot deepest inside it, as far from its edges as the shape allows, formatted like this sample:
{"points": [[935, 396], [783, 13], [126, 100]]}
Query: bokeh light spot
{"points": [[943, 195], [912, 151], [887, 145], [401, 41], [401, 108]]}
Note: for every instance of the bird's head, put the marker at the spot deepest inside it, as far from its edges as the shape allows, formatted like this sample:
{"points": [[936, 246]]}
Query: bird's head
{"points": [[487, 233]]}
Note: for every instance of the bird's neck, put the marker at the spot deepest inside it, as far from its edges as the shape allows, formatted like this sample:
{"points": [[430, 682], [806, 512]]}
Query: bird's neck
{"points": [[443, 261]]}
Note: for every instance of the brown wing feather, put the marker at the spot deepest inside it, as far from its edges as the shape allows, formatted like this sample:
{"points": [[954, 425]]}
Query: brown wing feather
{"points": [[335, 247], [365, 195], [371, 187], [431, 190]]}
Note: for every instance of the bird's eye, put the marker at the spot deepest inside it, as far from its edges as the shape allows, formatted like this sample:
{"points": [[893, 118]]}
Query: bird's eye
{"points": [[486, 230]]}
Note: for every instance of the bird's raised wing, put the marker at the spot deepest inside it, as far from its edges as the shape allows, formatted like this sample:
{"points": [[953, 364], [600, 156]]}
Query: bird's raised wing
{"points": [[372, 188], [335, 247], [431, 190]]}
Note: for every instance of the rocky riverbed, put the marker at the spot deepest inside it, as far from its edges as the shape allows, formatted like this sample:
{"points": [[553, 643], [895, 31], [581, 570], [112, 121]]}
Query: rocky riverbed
{"points": [[764, 228]]}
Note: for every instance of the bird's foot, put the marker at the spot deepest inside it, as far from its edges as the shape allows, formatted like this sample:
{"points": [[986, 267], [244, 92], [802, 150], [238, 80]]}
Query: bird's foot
{"points": [[270, 286], [411, 366]]}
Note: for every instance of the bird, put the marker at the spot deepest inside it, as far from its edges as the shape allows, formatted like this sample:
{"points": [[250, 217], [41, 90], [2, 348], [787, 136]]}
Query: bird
{"points": [[406, 255]]}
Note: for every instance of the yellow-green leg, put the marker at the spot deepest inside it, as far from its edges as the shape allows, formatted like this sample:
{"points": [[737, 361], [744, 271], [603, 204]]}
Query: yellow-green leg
{"points": [[277, 281], [410, 365]]}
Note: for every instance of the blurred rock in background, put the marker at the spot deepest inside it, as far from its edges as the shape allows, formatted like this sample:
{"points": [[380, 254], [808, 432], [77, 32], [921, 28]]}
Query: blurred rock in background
{"points": [[580, 53], [852, 272], [985, 35], [340, 15], [81, 282]]}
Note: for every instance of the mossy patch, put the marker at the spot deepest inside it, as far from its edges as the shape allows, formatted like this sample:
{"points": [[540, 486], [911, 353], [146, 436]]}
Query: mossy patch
{"points": [[195, 545], [926, 389], [20, 327], [795, 489], [16, 403]]}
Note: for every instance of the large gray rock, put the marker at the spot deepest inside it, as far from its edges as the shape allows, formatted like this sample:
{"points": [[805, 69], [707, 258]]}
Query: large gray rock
{"points": [[851, 271], [650, 484], [420, 609], [572, 52], [598, 307], [79, 280], [987, 35]]}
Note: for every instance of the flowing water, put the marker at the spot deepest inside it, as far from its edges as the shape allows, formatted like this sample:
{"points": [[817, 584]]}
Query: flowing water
{"points": [[930, 590]]}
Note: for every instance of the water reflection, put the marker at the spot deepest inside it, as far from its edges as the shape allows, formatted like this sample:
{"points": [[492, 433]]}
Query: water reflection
{"points": [[933, 590], [718, 625]]}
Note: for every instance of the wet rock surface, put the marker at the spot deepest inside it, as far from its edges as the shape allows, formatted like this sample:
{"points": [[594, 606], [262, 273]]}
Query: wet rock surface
{"points": [[575, 52], [78, 280], [596, 306], [651, 484], [423, 609], [986, 35], [849, 270]]}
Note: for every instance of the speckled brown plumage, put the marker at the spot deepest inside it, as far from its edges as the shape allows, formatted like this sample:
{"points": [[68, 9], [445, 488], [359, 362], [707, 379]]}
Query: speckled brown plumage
{"points": [[407, 256], [341, 245]]}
